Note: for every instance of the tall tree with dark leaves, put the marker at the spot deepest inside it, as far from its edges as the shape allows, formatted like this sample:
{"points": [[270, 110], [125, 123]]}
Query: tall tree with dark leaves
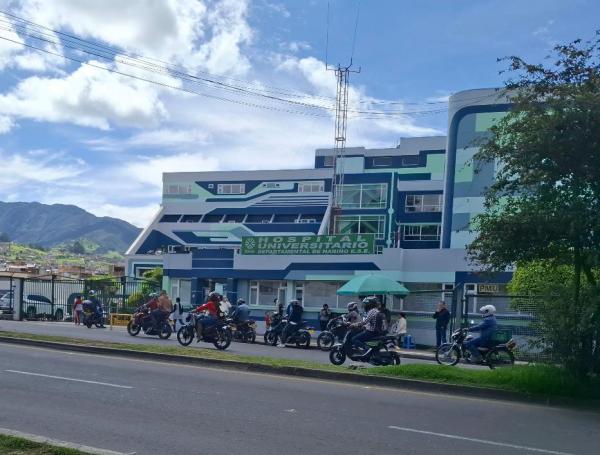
{"points": [[545, 202]]}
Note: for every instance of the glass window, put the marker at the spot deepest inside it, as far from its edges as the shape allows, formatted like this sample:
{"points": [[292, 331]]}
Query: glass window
{"points": [[169, 218], [382, 161], [259, 218], [234, 218], [423, 232], [365, 196], [191, 218], [311, 187], [310, 218], [361, 224], [212, 218], [177, 189], [328, 161], [423, 203], [231, 188], [411, 160], [285, 218]]}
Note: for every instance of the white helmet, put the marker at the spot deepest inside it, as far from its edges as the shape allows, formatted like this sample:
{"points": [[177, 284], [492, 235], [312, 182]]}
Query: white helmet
{"points": [[487, 310]]}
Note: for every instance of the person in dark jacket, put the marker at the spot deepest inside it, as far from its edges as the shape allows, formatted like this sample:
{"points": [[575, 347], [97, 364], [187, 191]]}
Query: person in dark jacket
{"points": [[442, 318], [324, 316], [486, 329], [294, 316]]}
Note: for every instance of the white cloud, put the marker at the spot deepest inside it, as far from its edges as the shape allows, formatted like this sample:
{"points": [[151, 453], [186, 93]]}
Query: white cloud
{"points": [[195, 34], [87, 97], [10, 46]]}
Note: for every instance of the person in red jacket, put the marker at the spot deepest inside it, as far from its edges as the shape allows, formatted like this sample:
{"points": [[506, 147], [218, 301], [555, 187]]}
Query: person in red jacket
{"points": [[212, 307]]}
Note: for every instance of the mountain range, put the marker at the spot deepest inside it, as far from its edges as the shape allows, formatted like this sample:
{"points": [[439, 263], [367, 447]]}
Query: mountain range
{"points": [[56, 224]]}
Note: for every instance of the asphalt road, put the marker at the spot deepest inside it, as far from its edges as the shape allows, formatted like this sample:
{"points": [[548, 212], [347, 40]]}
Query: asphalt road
{"points": [[155, 408], [120, 335]]}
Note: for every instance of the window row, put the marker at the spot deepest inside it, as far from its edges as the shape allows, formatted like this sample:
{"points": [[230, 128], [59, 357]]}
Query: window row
{"points": [[242, 218], [240, 188], [421, 232], [360, 224], [423, 203], [364, 196], [381, 161], [177, 189]]}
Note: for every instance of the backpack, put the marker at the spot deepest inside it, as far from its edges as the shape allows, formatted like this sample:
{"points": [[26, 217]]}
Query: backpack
{"points": [[381, 325]]}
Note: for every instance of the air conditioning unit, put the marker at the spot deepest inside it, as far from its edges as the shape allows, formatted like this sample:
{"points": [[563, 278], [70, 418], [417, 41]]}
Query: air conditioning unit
{"points": [[211, 185]]}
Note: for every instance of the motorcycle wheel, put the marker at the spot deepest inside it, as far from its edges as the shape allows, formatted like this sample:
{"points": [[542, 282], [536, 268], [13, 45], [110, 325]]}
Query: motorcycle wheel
{"points": [[447, 354], [395, 358], [88, 325], [499, 358], [271, 338], [337, 356], [99, 325], [164, 331], [250, 336], [303, 340], [222, 339], [185, 336], [132, 328], [325, 341]]}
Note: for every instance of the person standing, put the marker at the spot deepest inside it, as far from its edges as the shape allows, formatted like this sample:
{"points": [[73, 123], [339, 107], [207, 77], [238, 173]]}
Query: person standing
{"points": [[324, 316], [442, 317], [77, 310], [400, 328]]}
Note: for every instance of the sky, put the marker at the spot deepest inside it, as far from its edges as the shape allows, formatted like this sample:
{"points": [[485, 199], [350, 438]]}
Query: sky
{"points": [[83, 131]]}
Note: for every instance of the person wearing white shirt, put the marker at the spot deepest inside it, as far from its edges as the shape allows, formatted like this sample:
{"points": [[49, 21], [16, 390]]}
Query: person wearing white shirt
{"points": [[399, 328]]}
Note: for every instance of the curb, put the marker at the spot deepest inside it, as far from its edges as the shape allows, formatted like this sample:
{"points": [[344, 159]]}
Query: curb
{"points": [[347, 377], [57, 443]]}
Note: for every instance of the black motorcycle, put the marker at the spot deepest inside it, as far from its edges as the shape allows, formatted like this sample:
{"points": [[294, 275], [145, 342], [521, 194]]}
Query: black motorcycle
{"points": [[382, 352], [91, 316], [335, 332], [274, 330], [219, 334], [498, 355], [300, 337], [141, 320], [243, 331]]}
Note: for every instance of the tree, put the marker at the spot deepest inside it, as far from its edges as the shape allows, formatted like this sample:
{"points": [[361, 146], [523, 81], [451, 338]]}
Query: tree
{"points": [[153, 281], [545, 202], [77, 247]]}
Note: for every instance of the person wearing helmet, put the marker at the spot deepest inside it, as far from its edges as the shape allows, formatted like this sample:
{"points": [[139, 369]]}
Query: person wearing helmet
{"points": [[353, 315], [294, 311], [369, 325], [486, 328], [212, 308]]}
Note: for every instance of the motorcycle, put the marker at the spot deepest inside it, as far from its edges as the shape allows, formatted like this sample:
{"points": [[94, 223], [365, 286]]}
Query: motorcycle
{"points": [[498, 355], [219, 334], [382, 352], [274, 329], [92, 317], [243, 331], [301, 337], [335, 331], [141, 320]]}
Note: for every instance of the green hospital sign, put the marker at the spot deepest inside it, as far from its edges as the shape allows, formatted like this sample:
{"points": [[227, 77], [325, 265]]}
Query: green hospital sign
{"points": [[309, 244]]}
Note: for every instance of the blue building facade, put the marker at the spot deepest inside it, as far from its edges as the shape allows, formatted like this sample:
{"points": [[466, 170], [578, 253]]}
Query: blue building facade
{"points": [[416, 199]]}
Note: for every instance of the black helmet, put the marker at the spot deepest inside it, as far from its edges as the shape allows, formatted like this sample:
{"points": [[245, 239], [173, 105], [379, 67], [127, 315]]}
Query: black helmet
{"points": [[370, 302], [240, 301], [215, 297]]}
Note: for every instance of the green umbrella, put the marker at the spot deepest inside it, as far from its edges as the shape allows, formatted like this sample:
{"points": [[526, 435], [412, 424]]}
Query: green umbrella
{"points": [[372, 285]]}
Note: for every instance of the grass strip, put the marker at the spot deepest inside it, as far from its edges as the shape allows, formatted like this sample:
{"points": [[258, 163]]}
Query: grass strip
{"points": [[11, 445], [543, 380]]}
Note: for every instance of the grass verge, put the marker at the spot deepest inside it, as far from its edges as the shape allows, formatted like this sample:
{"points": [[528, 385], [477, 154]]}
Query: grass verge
{"points": [[11, 445], [542, 380]]}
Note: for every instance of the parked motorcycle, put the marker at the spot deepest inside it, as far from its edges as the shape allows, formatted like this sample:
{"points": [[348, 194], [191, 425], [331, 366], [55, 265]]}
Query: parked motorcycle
{"points": [[141, 320], [499, 355], [243, 331], [219, 334], [91, 316], [301, 337], [335, 332], [382, 352], [274, 329]]}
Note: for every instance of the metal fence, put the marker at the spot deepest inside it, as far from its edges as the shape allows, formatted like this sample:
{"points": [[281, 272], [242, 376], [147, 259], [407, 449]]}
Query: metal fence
{"points": [[517, 316], [52, 298]]}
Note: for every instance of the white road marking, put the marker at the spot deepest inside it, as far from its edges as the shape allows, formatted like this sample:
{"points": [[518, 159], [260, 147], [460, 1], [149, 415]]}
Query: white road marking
{"points": [[107, 384], [480, 441]]}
